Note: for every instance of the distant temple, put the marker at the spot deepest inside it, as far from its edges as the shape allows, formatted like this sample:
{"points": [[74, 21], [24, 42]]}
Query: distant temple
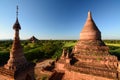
{"points": [[33, 39], [17, 67], [90, 58]]}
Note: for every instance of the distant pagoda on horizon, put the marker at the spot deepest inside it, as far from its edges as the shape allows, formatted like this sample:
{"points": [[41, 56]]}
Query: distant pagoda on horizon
{"points": [[17, 67], [33, 39]]}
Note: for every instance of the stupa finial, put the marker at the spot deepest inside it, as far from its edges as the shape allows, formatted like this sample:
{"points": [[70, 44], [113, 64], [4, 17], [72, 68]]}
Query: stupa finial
{"points": [[89, 15], [17, 11], [16, 26]]}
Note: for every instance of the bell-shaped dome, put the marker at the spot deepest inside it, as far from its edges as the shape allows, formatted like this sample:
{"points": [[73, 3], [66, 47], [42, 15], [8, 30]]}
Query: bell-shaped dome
{"points": [[90, 30], [17, 26]]}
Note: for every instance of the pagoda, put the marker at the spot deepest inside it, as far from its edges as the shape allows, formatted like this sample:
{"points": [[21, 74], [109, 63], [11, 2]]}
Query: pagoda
{"points": [[92, 55], [17, 67], [90, 58], [90, 39], [33, 39]]}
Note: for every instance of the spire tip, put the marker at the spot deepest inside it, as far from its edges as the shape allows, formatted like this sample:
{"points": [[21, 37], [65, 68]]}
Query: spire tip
{"points": [[17, 11], [89, 14]]}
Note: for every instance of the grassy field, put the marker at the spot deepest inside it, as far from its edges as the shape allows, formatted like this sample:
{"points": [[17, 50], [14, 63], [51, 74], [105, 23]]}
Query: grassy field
{"points": [[69, 44], [112, 44], [114, 49]]}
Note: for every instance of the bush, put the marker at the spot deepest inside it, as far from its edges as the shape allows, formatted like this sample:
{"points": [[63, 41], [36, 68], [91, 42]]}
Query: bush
{"points": [[57, 54], [4, 56], [34, 54], [116, 53]]}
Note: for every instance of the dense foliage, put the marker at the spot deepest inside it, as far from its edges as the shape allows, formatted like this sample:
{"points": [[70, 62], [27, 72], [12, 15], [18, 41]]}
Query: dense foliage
{"points": [[33, 51], [43, 49]]}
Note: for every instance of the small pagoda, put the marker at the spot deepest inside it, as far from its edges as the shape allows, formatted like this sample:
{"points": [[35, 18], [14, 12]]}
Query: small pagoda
{"points": [[33, 39], [17, 67]]}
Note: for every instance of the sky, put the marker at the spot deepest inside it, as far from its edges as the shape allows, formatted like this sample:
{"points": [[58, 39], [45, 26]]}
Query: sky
{"points": [[59, 19]]}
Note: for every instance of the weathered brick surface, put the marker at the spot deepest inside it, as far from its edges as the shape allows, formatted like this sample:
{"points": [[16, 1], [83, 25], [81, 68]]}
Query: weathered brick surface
{"points": [[90, 58], [17, 67], [71, 75]]}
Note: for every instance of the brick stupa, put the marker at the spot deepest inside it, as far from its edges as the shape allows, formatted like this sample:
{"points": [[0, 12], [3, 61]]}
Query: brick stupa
{"points": [[90, 58], [92, 54], [90, 39], [17, 58], [17, 67]]}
